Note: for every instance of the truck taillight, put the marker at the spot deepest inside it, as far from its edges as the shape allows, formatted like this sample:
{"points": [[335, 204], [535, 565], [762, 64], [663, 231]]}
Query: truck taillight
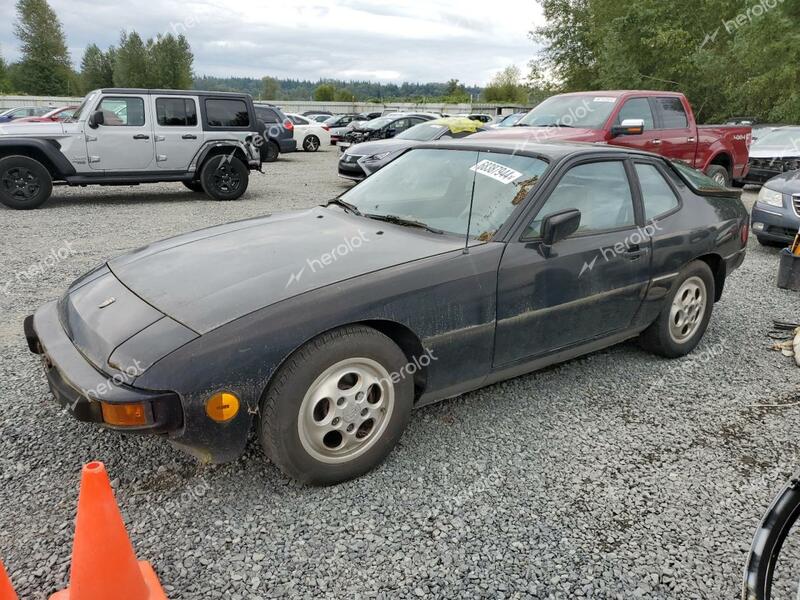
{"points": [[288, 125]]}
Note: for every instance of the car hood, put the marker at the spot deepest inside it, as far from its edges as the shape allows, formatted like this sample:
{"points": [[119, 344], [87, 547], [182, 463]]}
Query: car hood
{"points": [[774, 151], [786, 183], [210, 277], [37, 129], [379, 146], [540, 134]]}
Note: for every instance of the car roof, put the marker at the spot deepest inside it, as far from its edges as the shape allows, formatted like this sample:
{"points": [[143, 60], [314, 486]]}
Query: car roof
{"points": [[555, 150], [152, 92]]}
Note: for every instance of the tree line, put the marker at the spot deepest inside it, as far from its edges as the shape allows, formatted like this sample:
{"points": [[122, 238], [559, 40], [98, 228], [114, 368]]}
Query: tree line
{"points": [[730, 57], [45, 66]]}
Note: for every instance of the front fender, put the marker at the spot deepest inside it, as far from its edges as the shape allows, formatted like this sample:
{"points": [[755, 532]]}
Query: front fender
{"points": [[47, 151]]}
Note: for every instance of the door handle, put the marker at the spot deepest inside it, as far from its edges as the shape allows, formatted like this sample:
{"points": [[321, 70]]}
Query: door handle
{"points": [[634, 252], [141, 136], [656, 142], [691, 140], [188, 136]]}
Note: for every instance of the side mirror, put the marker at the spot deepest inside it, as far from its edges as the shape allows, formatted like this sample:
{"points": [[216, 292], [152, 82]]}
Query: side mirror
{"points": [[560, 225], [96, 119], [628, 127]]}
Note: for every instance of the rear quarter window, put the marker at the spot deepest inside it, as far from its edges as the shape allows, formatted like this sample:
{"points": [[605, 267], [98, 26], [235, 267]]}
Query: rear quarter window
{"points": [[227, 112]]}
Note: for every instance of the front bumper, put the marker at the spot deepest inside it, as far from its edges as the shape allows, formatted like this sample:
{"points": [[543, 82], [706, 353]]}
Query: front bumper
{"points": [[773, 223], [351, 169], [80, 388]]}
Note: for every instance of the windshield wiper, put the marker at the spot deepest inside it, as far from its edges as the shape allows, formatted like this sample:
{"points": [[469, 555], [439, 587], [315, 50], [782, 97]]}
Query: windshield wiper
{"points": [[394, 219], [522, 125], [345, 205]]}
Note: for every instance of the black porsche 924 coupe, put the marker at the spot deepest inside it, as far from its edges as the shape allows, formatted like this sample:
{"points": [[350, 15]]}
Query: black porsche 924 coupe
{"points": [[458, 265]]}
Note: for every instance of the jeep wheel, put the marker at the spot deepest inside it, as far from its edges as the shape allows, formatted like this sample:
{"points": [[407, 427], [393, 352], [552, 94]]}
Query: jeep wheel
{"points": [[195, 186], [311, 143], [24, 183], [269, 152], [224, 177]]}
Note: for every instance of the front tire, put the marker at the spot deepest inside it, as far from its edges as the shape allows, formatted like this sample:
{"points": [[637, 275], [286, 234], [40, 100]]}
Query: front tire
{"points": [[311, 143], [687, 310], [224, 177], [334, 410], [25, 183]]}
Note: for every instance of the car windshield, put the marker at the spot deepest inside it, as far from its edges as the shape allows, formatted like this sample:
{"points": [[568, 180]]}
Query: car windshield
{"points": [[590, 111], [782, 138], [424, 132], [456, 191], [79, 111]]}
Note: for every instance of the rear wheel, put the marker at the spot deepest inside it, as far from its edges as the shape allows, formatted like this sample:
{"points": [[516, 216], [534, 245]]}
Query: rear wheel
{"points": [[311, 143], [269, 151], [224, 177], [195, 186], [24, 183], [337, 406], [719, 174], [686, 313]]}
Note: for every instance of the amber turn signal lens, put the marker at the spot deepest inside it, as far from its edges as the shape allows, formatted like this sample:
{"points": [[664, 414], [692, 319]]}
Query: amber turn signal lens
{"points": [[125, 415], [222, 407]]}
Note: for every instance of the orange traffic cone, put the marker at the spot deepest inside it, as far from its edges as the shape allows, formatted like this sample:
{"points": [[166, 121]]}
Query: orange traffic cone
{"points": [[6, 589], [104, 565]]}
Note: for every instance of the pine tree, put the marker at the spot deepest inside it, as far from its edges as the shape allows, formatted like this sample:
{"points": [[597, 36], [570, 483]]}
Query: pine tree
{"points": [[131, 62], [170, 60], [97, 68], [4, 83], [45, 68]]}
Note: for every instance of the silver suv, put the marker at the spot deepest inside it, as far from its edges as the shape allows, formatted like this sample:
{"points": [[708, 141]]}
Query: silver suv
{"points": [[208, 141]]}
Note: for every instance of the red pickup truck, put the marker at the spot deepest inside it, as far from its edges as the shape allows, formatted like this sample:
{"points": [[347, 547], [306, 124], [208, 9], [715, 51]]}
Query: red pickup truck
{"points": [[659, 122]]}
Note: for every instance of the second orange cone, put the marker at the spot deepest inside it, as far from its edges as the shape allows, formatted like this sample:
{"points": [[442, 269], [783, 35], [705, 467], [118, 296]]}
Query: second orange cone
{"points": [[104, 564]]}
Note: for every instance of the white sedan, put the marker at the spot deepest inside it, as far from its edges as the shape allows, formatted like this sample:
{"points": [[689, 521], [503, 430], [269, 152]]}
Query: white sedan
{"points": [[310, 135]]}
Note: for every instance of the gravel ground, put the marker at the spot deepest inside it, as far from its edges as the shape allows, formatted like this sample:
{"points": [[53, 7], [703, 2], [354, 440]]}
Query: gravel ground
{"points": [[616, 475]]}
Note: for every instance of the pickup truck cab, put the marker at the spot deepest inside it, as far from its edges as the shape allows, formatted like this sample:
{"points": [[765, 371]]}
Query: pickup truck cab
{"points": [[658, 122], [206, 140]]}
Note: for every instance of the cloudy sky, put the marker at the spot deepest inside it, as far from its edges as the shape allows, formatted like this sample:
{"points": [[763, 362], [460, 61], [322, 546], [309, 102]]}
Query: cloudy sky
{"points": [[390, 41]]}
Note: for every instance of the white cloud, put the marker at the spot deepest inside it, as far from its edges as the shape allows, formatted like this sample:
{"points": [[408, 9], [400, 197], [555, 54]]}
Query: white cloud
{"points": [[308, 39]]}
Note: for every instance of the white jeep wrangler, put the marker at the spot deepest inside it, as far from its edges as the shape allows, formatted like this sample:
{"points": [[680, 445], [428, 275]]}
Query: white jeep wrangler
{"points": [[206, 140]]}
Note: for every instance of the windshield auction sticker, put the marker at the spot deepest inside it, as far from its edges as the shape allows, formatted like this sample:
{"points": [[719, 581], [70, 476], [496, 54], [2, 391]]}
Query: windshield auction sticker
{"points": [[604, 99], [496, 171]]}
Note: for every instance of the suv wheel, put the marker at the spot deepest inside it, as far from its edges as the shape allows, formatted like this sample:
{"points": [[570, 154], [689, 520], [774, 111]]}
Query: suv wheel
{"points": [[269, 152], [224, 177], [311, 143], [194, 185], [24, 182]]}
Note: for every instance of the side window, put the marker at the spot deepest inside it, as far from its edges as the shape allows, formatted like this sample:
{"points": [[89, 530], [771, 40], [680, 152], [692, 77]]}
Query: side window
{"points": [[227, 113], [599, 190], [176, 112], [298, 120], [637, 108], [657, 194], [122, 112], [400, 125], [672, 113]]}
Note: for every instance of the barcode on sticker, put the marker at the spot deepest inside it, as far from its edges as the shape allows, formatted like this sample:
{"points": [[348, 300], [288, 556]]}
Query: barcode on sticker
{"points": [[496, 171]]}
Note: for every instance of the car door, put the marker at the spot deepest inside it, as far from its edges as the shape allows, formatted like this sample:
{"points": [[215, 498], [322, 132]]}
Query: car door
{"points": [[678, 139], [178, 134], [637, 108], [587, 286], [124, 141]]}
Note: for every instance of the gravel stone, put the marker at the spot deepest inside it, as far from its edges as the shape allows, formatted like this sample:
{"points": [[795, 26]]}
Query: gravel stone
{"points": [[616, 475]]}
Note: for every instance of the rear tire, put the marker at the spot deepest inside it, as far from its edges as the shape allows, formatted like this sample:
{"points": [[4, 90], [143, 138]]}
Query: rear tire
{"points": [[195, 186], [719, 174], [311, 143], [333, 410], [687, 310], [25, 183], [224, 177], [269, 151]]}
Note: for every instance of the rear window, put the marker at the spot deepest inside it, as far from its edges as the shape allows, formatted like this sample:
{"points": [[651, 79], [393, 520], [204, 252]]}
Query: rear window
{"points": [[227, 113], [697, 180], [672, 113], [176, 112], [266, 114]]}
